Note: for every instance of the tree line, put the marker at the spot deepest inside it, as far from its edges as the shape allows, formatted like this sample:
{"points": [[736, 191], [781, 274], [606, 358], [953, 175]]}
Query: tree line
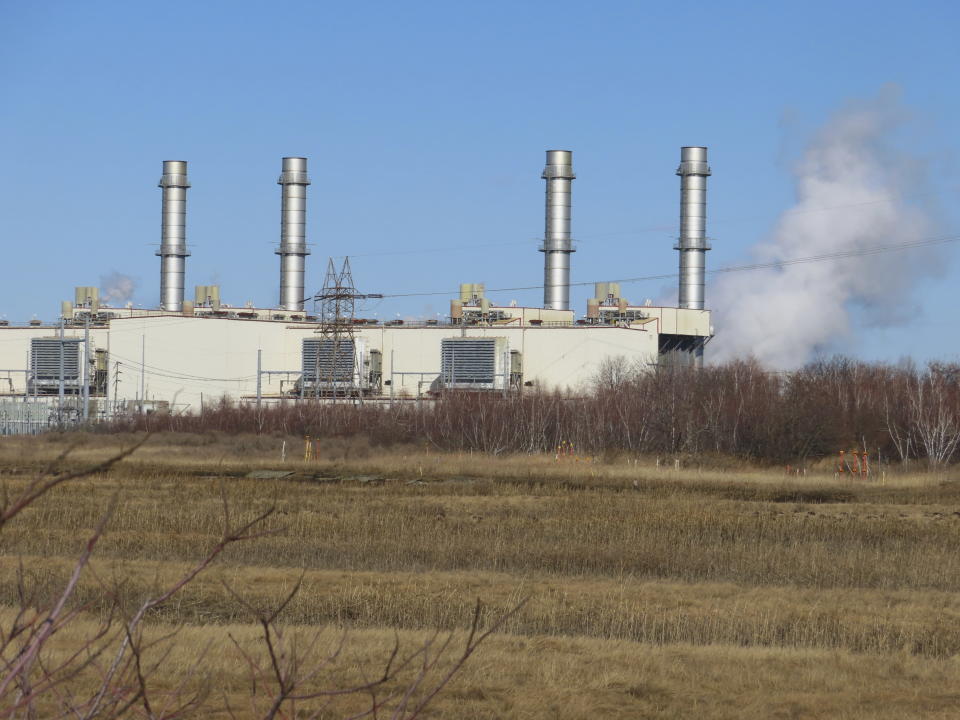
{"points": [[903, 412]]}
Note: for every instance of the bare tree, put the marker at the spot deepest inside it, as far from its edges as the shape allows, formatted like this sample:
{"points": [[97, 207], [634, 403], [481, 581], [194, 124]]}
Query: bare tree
{"points": [[934, 413], [738, 408]]}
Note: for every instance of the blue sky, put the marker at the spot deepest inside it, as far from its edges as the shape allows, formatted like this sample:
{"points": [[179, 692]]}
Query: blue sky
{"points": [[426, 124]]}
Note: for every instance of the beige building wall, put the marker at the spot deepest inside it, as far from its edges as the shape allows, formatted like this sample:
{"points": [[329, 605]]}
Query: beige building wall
{"points": [[553, 358], [189, 360]]}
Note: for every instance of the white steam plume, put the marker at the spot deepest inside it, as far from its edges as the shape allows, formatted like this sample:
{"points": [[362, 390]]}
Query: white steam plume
{"points": [[117, 288], [852, 193]]}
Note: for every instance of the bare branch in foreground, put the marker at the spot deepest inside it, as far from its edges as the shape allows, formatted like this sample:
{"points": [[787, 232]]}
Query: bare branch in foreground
{"points": [[290, 673]]}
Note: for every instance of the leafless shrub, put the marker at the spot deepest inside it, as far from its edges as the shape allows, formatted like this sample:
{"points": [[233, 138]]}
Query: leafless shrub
{"points": [[738, 409], [290, 674]]}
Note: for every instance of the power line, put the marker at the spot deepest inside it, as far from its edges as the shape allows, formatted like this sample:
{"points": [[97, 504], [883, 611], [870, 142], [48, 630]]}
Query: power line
{"points": [[446, 248], [840, 254], [668, 229], [156, 371]]}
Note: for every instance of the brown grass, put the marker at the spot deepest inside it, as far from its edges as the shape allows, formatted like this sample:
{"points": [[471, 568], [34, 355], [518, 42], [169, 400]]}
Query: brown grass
{"points": [[569, 678], [738, 593]]}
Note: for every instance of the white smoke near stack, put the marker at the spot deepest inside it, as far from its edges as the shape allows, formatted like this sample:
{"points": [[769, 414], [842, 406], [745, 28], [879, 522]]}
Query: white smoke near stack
{"points": [[854, 191], [117, 288]]}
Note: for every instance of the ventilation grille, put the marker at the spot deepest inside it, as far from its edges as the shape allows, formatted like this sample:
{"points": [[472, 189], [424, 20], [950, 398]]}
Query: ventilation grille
{"points": [[468, 362], [328, 360], [45, 358]]}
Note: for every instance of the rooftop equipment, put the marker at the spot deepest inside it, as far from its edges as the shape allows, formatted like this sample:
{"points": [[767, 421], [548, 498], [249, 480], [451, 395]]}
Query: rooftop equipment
{"points": [[87, 297], [207, 296], [173, 234], [692, 244], [557, 242], [293, 232], [472, 293], [607, 293]]}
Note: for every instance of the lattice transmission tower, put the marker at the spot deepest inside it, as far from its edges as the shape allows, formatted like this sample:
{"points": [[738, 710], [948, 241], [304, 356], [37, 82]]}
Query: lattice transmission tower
{"points": [[337, 365]]}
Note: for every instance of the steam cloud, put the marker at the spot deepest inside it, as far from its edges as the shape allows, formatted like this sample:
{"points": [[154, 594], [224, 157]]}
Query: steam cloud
{"points": [[117, 288], [851, 187]]}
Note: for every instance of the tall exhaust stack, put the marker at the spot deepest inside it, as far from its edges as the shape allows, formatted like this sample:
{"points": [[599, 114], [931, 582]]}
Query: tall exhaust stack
{"points": [[693, 245], [293, 232], [173, 234], [557, 243]]}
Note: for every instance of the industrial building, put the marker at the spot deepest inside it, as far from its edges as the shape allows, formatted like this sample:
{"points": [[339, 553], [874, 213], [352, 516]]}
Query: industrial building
{"points": [[189, 352]]}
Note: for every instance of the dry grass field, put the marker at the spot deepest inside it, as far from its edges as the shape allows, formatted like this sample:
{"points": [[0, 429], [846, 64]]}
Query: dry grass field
{"points": [[726, 593]]}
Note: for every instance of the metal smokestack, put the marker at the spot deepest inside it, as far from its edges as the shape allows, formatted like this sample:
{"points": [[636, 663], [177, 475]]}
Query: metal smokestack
{"points": [[293, 232], [557, 243], [173, 234], [693, 245]]}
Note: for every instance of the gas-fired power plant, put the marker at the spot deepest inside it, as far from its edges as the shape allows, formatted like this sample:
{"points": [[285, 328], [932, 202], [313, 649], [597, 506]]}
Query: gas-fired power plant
{"points": [[127, 359]]}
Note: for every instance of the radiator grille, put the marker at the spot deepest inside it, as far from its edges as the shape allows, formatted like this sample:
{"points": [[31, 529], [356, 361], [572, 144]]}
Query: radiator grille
{"points": [[326, 360], [45, 358], [470, 362]]}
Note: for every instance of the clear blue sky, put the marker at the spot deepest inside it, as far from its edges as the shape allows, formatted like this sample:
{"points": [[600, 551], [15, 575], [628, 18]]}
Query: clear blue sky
{"points": [[425, 125]]}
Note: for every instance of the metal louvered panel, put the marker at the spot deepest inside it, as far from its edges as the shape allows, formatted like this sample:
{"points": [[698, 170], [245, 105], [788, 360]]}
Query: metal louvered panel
{"points": [[326, 360], [468, 362], [45, 358], [45, 364]]}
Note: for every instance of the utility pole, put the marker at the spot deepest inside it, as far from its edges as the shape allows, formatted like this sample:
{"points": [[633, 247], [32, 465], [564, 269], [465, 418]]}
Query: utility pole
{"points": [[259, 375], [116, 388], [506, 372], [106, 390], [60, 393], [143, 370], [86, 369]]}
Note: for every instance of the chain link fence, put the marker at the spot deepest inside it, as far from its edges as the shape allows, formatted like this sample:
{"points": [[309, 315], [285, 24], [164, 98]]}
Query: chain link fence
{"points": [[35, 415]]}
